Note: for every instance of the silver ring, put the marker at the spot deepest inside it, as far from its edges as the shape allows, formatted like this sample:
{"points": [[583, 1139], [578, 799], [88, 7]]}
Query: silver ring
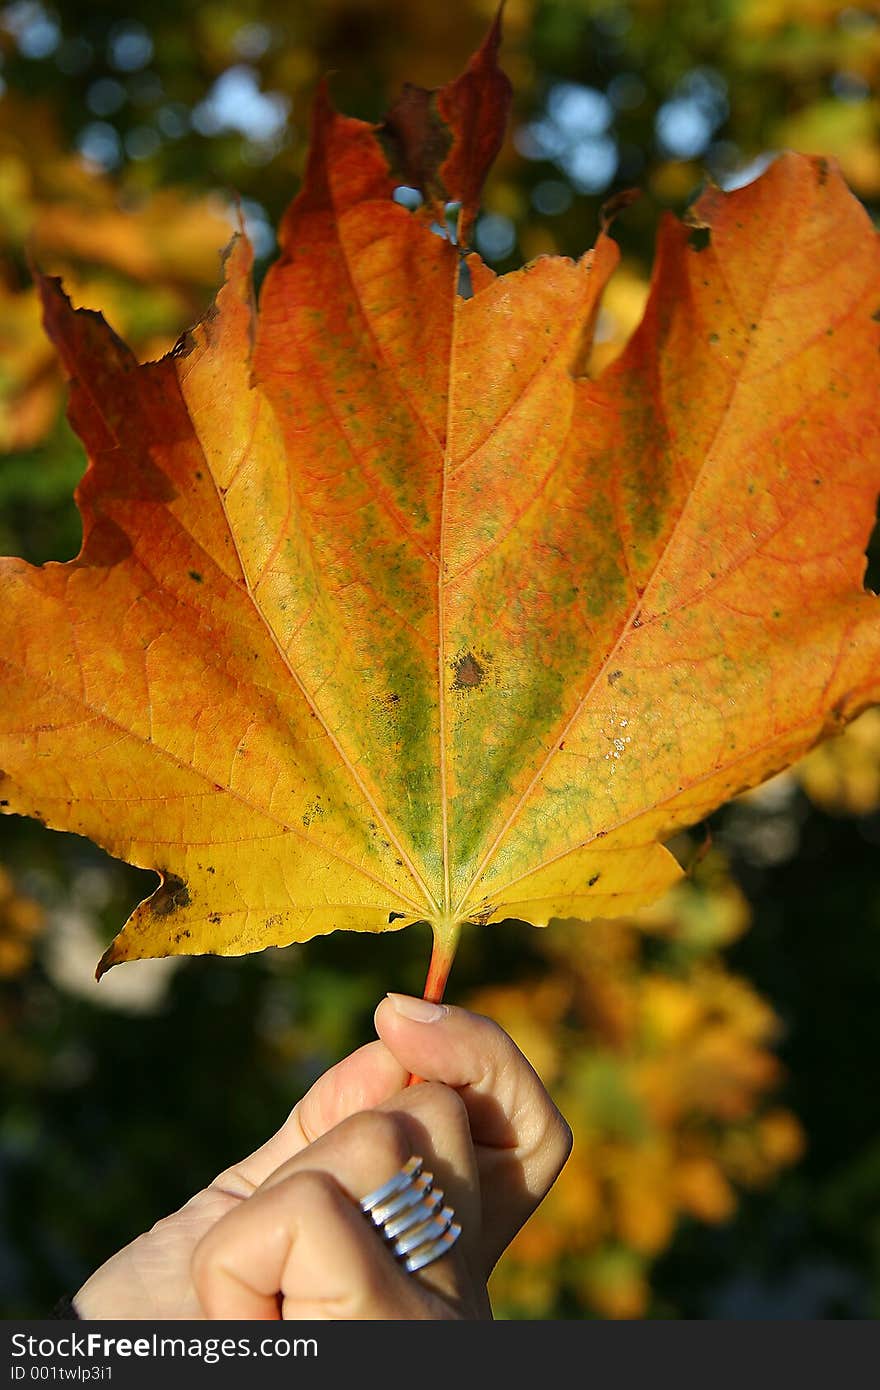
{"points": [[400, 1180], [409, 1212]]}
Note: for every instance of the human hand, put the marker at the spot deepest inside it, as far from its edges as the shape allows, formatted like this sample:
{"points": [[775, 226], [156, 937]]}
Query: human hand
{"points": [[280, 1234]]}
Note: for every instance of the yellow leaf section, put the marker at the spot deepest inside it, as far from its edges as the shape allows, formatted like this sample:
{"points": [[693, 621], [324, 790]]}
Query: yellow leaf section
{"points": [[185, 743], [674, 605], [352, 354]]}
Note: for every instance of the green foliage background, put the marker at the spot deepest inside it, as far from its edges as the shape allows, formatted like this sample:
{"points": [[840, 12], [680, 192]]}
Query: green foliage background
{"points": [[110, 1120]]}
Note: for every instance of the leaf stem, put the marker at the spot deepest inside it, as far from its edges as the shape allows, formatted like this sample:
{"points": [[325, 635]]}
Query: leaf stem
{"points": [[446, 936], [442, 956]]}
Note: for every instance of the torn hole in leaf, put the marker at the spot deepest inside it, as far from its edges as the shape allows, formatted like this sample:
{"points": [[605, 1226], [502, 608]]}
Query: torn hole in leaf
{"points": [[465, 286], [872, 555], [409, 198], [700, 238], [448, 228]]}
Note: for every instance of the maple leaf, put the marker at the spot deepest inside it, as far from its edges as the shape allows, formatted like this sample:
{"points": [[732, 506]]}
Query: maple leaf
{"points": [[387, 612]]}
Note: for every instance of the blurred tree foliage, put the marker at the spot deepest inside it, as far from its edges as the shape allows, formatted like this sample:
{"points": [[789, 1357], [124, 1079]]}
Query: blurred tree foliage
{"points": [[716, 1057]]}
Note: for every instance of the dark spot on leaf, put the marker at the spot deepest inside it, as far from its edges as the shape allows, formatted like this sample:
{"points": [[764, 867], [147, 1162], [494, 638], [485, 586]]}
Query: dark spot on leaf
{"points": [[272, 920], [170, 896], [821, 167], [714, 338], [395, 917], [388, 701], [4, 803], [594, 880], [614, 677], [700, 238], [210, 868], [637, 618], [199, 474], [835, 719], [600, 834], [468, 672], [214, 918], [876, 316], [194, 575]]}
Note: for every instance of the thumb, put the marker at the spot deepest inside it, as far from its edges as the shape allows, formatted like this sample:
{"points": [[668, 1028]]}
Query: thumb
{"points": [[472, 1054]]}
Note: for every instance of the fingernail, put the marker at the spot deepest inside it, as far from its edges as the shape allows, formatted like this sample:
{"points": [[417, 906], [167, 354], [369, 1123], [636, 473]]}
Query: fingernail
{"points": [[419, 1010]]}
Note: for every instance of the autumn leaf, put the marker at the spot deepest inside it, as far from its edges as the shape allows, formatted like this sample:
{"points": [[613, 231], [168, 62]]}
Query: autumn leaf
{"points": [[387, 611]]}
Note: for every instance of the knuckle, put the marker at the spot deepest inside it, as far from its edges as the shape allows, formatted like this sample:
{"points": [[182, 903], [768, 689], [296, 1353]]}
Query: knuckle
{"points": [[312, 1189], [378, 1132], [376, 1145]]}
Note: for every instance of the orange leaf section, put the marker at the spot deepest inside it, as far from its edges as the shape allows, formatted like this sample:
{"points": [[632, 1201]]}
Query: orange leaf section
{"points": [[387, 611]]}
